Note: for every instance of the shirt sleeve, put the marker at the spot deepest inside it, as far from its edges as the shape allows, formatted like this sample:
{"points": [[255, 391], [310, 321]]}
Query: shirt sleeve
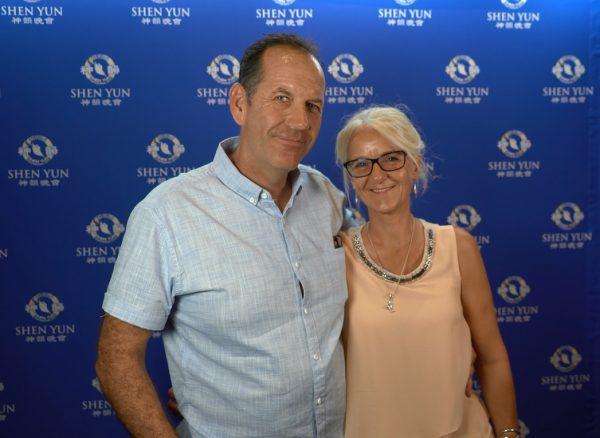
{"points": [[140, 291]]}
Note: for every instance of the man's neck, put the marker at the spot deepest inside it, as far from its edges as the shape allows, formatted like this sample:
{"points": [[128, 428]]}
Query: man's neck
{"points": [[278, 183]]}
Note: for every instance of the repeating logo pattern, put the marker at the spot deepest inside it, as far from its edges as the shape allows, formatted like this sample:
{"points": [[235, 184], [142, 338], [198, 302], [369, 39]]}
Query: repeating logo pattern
{"points": [[100, 69], [568, 69], [44, 307], [513, 289], [165, 148], [404, 17], [567, 216], [225, 69], [514, 144], [566, 358], [38, 15], [513, 4], [462, 69], [284, 16], [37, 150], [105, 228], [464, 216], [161, 15], [345, 68]]}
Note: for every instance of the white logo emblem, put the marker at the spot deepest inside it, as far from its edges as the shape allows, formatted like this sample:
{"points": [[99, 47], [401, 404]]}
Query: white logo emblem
{"points": [[37, 150], [44, 307], [284, 2], [32, 1], [225, 69], [567, 216], [565, 358], [345, 68], [105, 228], [464, 216], [513, 4], [165, 148], [568, 69], [405, 2], [462, 69], [96, 384], [161, 2], [514, 144], [100, 69], [513, 289]]}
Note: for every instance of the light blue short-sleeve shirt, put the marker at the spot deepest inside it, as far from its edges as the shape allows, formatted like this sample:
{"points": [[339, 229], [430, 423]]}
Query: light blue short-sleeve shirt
{"points": [[250, 300]]}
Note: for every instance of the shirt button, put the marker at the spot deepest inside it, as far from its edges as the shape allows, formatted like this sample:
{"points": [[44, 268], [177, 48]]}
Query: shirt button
{"points": [[305, 311], [251, 199], [316, 356], [297, 264], [264, 195], [319, 401]]}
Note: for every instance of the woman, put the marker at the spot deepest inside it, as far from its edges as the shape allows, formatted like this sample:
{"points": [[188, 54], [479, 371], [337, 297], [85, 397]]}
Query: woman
{"points": [[418, 298]]}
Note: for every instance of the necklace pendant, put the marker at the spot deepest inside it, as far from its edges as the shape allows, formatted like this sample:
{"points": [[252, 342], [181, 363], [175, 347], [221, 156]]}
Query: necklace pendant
{"points": [[390, 303]]}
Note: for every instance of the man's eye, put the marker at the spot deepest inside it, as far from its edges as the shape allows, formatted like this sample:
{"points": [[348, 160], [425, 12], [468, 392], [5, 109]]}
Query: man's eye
{"points": [[314, 107], [392, 157], [281, 98]]}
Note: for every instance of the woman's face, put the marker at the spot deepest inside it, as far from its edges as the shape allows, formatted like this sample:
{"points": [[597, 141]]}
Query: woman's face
{"points": [[382, 191]]}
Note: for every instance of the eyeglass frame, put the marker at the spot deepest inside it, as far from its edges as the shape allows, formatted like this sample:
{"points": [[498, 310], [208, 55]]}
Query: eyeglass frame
{"points": [[375, 160]]}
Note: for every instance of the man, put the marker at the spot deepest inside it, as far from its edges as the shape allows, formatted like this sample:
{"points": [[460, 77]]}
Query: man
{"points": [[236, 261]]}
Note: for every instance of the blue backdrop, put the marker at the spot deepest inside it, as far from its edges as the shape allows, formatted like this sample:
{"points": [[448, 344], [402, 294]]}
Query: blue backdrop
{"points": [[101, 101]]}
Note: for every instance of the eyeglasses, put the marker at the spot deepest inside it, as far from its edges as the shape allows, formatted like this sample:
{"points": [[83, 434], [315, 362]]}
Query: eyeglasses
{"points": [[362, 167]]}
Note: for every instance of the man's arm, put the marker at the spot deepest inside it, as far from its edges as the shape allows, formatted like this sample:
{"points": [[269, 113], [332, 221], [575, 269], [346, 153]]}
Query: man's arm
{"points": [[121, 370]]}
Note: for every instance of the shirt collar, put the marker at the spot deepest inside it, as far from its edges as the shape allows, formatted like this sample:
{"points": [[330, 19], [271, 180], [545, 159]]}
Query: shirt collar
{"points": [[229, 175]]}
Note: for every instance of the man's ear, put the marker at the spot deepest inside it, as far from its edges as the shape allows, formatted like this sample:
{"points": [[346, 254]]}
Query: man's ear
{"points": [[238, 103]]}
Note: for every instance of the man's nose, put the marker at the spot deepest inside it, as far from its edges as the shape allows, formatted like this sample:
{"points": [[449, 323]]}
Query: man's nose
{"points": [[297, 118]]}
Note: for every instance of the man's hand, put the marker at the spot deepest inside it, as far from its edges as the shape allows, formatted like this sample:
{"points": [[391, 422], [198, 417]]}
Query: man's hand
{"points": [[121, 371], [172, 403], [469, 388]]}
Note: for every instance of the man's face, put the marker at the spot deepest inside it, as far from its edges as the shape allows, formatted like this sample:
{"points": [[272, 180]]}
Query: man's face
{"points": [[281, 121]]}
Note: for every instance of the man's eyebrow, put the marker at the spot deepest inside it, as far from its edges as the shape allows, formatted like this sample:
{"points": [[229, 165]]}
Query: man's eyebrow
{"points": [[282, 90]]}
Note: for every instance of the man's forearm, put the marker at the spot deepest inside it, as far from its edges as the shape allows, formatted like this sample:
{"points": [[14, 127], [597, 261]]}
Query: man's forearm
{"points": [[131, 393], [121, 370]]}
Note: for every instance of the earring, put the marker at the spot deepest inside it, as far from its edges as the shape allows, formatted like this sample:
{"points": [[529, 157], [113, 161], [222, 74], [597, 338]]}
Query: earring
{"points": [[415, 189]]}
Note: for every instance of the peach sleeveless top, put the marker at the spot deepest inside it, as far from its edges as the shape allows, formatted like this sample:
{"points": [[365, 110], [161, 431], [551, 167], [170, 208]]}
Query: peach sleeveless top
{"points": [[406, 371]]}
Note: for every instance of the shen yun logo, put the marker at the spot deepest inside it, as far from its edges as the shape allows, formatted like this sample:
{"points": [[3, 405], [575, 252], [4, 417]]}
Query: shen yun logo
{"points": [[567, 216], [514, 144], [225, 69], [37, 150], [513, 4], [105, 228], [44, 307], [284, 16], [404, 17], [513, 290], [464, 216], [30, 14], [165, 148], [345, 69], [97, 407], [99, 69], [462, 69], [568, 70], [565, 359]]}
